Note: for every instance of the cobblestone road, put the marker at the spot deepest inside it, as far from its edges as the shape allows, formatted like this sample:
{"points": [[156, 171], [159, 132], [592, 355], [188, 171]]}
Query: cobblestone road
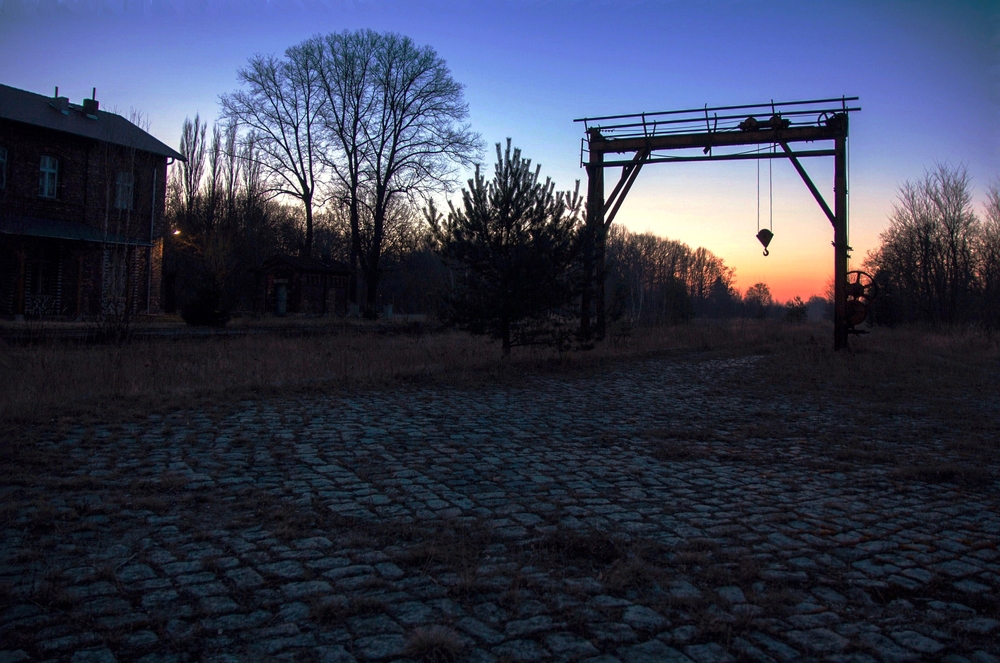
{"points": [[646, 514]]}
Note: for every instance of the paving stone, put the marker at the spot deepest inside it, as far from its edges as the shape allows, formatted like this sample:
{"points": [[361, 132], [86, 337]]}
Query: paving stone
{"points": [[141, 639], [479, 630], [981, 625], [684, 590], [642, 618], [748, 651], [885, 649], [92, 590], [613, 632], [134, 572], [971, 586], [956, 568], [815, 620], [652, 651], [775, 648], [917, 642], [920, 575], [297, 590], [102, 655], [245, 578], [984, 657], [569, 645], [708, 653], [732, 594], [218, 605], [389, 571], [521, 627], [289, 570], [333, 654], [521, 650], [373, 625], [236, 622], [524, 463]]}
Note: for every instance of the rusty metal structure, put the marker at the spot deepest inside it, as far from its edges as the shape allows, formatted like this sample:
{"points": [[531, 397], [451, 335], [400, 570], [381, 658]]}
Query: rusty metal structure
{"points": [[721, 133]]}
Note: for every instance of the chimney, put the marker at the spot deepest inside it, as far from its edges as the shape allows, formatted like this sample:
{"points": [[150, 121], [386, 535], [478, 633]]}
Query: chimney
{"points": [[61, 104], [90, 107]]}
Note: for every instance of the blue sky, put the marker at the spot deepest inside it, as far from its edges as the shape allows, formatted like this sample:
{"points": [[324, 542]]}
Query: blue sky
{"points": [[927, 74]]}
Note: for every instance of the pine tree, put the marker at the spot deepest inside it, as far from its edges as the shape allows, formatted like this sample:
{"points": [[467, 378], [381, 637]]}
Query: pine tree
{"points": [[512, 246]]}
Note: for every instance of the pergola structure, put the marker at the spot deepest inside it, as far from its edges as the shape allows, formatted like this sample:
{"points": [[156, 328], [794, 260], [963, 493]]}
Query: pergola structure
{"points": [[722, 133]]}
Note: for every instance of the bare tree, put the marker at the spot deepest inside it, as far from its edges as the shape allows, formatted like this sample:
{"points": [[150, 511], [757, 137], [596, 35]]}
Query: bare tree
{"points": [[758, 300], [281, 105], [927, 255], [988, 254], [192, 169], [346, 73], [414, 137]]}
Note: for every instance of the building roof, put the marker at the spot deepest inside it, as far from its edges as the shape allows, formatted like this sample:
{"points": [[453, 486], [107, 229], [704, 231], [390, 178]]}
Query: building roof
{"points": [[41, 111]]}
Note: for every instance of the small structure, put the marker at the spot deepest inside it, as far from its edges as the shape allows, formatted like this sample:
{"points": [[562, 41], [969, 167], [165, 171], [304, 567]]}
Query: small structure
{"points": [[81, 209], [304, 286]]}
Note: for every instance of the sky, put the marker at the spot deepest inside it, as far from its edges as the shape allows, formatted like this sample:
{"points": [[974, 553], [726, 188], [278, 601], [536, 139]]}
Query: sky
{"points": [[927, 74]]}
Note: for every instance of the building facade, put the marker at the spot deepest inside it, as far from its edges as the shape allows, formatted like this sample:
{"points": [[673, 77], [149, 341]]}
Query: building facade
{"points": [[82, 196], [304, 286]]}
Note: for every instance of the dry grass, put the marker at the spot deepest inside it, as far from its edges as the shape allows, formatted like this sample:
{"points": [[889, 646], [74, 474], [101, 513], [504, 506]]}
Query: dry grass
{"points": [[892, 388], [434, 644], [949, 378], [42, 382]]}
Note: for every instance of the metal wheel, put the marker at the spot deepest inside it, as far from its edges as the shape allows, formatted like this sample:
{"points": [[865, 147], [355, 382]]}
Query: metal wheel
{"points": [[861, 291], [861, 287]]}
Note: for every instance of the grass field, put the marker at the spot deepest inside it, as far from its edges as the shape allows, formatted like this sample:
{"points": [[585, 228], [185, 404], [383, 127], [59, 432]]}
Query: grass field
{"points": [[887, 371]]}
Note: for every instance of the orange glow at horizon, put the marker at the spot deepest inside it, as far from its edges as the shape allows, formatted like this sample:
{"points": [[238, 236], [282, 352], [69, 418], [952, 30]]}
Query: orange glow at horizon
{"points": [[715, 206]]}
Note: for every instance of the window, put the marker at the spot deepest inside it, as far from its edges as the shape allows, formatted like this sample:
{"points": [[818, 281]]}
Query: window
{"points": [[123, 190], [49, 174], [3, 168]]}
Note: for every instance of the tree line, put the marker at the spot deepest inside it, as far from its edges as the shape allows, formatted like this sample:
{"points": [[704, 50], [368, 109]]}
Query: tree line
{"points": [[939, 261]]}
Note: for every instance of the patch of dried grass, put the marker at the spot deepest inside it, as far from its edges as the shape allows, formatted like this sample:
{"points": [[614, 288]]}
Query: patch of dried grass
{"points": [[434, 644], [967, 476]]}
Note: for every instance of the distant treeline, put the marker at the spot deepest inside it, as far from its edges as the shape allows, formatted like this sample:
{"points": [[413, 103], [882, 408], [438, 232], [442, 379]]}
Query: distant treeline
{"points": [[227, 226]]}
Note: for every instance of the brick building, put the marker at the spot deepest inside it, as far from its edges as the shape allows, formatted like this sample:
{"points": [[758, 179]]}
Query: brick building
{"points": [[295, 285], [81, 209]]}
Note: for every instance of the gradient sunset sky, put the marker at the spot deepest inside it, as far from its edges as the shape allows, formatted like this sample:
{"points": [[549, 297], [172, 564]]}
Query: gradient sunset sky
{"points": [[927, 74]]}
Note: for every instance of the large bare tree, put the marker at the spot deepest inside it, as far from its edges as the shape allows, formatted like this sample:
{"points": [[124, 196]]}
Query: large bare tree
{"points": [[395, 119], [416, 137], [281, 105], [346, 76]]}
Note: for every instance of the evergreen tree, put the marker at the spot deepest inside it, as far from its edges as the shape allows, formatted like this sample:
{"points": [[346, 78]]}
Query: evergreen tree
{"points": [[512, 246]]}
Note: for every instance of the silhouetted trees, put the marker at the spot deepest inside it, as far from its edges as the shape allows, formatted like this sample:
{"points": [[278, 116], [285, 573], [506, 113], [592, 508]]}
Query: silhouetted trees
{"points": [[369, 120], [657, 280], [512, 246], [280, 109], [225, 222], [937, 261]]}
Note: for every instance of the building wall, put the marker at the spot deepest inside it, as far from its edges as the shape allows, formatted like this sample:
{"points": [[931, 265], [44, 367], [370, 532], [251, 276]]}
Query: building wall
{"points": [[87, 181], [86, 194]]}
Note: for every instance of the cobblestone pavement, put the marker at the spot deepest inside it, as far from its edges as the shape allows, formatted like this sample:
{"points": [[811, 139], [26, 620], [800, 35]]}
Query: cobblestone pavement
{"points": [[649, 513]]}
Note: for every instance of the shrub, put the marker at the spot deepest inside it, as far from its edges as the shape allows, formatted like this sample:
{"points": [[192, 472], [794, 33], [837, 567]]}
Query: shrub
{"points": [[206, 309]]}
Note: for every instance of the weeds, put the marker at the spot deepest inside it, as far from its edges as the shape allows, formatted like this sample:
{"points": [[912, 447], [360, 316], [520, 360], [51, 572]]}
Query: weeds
{"points": [[434, 644], [967, 476]]}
